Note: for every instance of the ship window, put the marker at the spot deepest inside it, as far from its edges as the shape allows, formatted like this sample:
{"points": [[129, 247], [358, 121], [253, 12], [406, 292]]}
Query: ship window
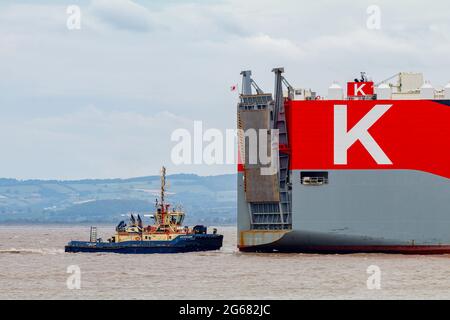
{"points": [[314, 178]]}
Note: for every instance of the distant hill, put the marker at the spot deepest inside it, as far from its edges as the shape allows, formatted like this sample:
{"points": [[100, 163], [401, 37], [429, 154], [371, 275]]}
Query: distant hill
{"points": [[210, 199]]}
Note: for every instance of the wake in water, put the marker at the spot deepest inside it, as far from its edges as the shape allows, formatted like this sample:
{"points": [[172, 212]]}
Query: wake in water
{"points": [[43, 251]]}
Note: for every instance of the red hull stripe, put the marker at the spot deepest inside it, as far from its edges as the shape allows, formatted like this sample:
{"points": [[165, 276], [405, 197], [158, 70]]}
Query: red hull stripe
{"points": [[414, 134]]}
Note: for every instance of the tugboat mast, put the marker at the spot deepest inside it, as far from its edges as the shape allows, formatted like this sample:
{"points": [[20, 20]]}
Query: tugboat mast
{"points": [[163, 185], [162, 209]]}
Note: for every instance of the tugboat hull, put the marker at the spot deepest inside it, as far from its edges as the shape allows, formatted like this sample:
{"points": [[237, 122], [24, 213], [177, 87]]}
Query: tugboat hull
{"points": [[182, 243]]}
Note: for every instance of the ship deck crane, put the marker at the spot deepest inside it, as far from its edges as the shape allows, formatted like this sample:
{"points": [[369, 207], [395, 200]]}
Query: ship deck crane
{"points": [[280, 123], [388, 79], [278, 92], [248, 83]]}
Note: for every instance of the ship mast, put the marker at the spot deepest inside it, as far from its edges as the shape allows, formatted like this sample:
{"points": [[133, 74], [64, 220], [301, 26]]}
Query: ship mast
{"points": [[165, 219], [163, 185]]}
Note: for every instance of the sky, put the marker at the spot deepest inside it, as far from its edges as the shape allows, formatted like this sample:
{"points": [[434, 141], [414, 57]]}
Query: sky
{"points": [[103, 100]]}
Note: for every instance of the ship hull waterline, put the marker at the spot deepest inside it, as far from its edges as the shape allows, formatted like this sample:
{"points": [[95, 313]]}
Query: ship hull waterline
{"points": [[304, 242]]}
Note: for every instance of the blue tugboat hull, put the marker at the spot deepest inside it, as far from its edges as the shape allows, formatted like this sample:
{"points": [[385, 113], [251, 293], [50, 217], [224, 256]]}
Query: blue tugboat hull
{"points": [[183, 243]]}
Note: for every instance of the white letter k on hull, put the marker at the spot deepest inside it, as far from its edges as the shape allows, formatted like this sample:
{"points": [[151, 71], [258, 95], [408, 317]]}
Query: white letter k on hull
{"points": [[343, 140]]}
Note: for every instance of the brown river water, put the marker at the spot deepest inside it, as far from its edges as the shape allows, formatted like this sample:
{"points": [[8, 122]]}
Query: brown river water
{"points": [[33, 265]]}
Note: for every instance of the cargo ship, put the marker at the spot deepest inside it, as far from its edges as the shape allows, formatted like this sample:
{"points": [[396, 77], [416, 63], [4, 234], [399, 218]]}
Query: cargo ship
{"points": [[363, 171], [165, 235]]}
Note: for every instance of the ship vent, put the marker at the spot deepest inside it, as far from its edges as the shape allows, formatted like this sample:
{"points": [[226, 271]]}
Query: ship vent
{"points": [[314, 178]]}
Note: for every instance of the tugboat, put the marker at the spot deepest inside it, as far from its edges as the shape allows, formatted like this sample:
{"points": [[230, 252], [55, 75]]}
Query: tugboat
{"points": [[166, 235]]}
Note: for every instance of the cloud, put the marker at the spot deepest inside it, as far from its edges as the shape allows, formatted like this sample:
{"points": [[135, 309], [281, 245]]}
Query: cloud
{"points": [[122, 14], [89, 143], [151, 66], [271, 45]]}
